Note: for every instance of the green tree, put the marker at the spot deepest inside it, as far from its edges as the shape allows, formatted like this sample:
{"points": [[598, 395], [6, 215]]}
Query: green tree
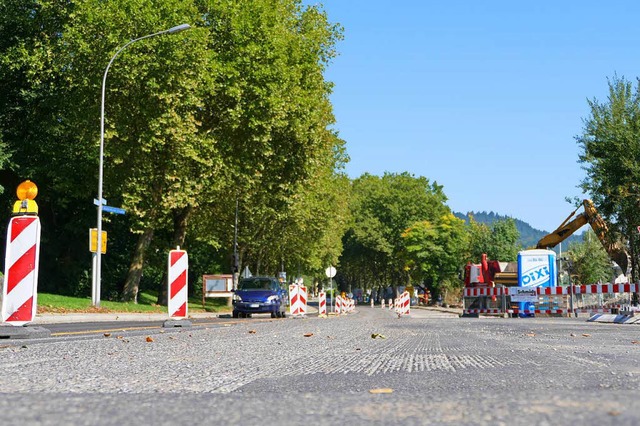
{"points": [[498, 240], [437, 251], [591, 263], [382, 209], [269, 111], [610, 149]]}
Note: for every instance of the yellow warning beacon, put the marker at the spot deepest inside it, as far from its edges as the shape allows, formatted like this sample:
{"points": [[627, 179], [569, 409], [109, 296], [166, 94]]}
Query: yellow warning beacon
{"points": [[25, 205]]}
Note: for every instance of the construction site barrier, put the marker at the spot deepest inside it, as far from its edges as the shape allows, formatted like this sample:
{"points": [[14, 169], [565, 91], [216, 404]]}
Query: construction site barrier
{"points": [[298, 300], [322, 303], [338, 306], [550, 300], [178, 267], [404, 303], [577, 289]]}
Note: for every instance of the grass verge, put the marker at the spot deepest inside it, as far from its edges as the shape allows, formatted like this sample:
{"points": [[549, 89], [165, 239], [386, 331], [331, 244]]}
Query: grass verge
{"points": [[55, 303]]}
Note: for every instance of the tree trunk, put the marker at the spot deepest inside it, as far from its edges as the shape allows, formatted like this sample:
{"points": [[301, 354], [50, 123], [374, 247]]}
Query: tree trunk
{"points": [[132, 284], [180, 223]]}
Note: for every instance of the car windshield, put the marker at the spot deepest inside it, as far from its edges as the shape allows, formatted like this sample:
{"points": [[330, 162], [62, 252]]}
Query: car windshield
{"points": [[256, 284]]}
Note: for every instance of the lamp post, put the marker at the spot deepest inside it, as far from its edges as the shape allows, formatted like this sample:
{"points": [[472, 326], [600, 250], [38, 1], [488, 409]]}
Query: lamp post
{"points": [[96, 277]]}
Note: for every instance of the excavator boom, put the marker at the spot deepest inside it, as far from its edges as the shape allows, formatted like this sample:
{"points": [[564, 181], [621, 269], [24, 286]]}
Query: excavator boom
{"points": [[591, 216]]}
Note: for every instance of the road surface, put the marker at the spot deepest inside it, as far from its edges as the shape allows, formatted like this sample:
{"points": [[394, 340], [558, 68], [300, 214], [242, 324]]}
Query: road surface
{"points": [[428, 368]]}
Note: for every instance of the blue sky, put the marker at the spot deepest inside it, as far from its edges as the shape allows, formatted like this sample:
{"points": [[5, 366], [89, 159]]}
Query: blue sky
{"points": [[485, 98]]}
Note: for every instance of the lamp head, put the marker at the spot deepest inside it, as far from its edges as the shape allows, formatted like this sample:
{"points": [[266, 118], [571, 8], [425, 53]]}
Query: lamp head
{"points": [[178, 28]]}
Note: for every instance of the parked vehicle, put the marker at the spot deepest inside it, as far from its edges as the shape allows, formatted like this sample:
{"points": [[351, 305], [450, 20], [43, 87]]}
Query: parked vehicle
{"points": [[259, 295]]}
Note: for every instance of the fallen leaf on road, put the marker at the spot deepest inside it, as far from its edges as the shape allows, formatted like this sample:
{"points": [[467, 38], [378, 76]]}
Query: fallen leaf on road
{"points": [[572, 335], [614, 413], [107, 334], [381, 390], [252, 332], [586, 335], [378, 336], [149, 339], [308, 334], [530, 334], [635, 342]]}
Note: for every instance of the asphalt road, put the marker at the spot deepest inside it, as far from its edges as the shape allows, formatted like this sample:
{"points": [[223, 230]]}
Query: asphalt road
{"points": [[430, 368]]}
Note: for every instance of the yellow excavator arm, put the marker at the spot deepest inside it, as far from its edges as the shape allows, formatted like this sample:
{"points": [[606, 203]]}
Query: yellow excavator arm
{"points": [[591, 216]]}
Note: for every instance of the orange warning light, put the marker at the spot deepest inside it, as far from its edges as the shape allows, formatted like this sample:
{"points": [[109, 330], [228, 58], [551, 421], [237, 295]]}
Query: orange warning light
{"points": [[27, 190]]}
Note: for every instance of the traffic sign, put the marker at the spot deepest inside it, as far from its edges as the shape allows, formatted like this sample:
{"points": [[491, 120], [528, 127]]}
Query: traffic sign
{"points": [[115, 210], [331, 272], [93, 241]]}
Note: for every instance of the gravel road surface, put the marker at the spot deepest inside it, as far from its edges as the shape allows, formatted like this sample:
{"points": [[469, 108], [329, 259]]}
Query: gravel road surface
{"points": [[431, 368]]}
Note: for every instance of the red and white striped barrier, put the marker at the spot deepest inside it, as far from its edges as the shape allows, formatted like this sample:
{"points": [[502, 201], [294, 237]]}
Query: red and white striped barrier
{"points": [[382, 304], [19, 293], [483, 311], [372, 302], [177, 281], [404, 304], [590, 289], [298, 298], [538, 311], [351, 305], [484, 291], [391, 304], [557, 291], [322, 303]]}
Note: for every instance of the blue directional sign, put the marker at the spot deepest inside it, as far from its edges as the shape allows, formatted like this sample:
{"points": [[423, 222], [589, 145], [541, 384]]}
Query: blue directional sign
{"points": [[114, 210]]}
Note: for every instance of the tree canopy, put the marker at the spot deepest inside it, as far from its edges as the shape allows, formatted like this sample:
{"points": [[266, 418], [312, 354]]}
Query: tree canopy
{"points": [[610, 156]]}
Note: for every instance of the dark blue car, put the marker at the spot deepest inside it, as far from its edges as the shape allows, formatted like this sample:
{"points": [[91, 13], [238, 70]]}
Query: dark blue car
{"points": [[259, 295]]}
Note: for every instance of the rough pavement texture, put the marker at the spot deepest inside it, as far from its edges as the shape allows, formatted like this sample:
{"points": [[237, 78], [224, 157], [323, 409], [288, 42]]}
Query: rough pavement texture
{"points": [[441, 370]]}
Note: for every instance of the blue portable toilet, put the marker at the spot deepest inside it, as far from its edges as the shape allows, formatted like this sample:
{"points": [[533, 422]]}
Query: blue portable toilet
{"points": [[536, 268]]}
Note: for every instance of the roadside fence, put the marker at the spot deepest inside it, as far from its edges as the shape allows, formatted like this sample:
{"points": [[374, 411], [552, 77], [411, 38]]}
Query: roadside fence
{"points": [[565, 300]]}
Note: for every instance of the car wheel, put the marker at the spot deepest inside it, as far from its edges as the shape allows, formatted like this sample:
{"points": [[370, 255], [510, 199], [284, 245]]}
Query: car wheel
{"points": [[235, 314], [274, 315], [248, 315]]}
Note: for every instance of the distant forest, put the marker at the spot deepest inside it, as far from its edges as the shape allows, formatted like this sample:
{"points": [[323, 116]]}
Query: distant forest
{"points": [[529, 236]]}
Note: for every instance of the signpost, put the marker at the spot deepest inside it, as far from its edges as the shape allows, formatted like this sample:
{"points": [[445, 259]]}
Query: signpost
{"points": [[331, 272]]}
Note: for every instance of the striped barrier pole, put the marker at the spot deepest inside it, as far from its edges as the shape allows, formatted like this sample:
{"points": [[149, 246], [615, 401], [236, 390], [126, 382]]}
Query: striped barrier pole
{"points": [[177, 281], [405, 304], [19, 293], [322, 303], [298, 297]]}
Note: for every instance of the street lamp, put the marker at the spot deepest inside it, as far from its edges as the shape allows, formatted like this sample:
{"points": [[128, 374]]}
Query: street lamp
{"points": [[96, 278]]}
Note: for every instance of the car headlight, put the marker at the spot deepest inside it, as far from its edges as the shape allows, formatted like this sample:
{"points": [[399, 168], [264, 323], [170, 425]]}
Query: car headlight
{"points": [[237, 298], [272, 299]]}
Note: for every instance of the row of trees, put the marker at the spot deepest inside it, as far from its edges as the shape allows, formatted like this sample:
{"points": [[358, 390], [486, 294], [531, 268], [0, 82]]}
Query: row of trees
{"points": [[403, 233], [234, 110]]}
